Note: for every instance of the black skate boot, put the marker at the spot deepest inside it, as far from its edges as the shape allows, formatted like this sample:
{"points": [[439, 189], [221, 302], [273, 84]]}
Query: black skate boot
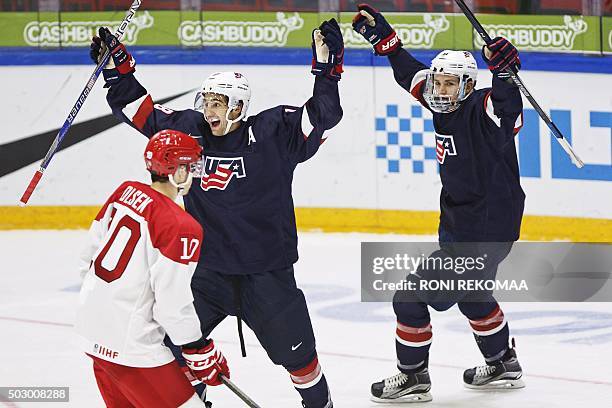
{"points": [[402, 388], [505, 373], [329, 404]]}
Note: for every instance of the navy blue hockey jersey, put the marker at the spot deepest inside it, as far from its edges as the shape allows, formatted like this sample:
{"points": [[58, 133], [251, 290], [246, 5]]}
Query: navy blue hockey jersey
{"points": [[243, 200], [481, 197]]}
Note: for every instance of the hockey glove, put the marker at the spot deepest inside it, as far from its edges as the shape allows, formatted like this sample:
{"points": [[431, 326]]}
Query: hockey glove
{"points": [[501, 55], [371, 24], [327, 50], [206, 363], [121, 61]]}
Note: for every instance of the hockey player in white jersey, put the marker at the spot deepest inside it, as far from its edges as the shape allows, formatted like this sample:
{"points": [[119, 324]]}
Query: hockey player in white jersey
{"points": [[137, 271]]}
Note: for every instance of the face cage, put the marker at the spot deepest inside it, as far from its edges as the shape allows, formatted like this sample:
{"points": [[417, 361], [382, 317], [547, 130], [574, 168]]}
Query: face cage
{"points": [[444, 103], [197, 169], [193, 168]]}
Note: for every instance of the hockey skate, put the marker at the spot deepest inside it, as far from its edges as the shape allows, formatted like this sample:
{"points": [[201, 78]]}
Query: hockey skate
{"points": [[504, 374], [402, 388], [329, 404]]}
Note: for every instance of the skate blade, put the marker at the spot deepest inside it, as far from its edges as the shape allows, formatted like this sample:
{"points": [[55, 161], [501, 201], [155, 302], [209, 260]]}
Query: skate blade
{"points": [[498, 385], [408, 398]]}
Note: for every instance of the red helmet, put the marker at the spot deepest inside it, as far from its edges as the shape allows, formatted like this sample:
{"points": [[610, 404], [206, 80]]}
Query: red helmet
{"points": [[168, 149]]}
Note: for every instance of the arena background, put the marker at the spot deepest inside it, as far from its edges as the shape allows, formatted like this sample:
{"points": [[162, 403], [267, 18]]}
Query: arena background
{"points": [[376, 173]]}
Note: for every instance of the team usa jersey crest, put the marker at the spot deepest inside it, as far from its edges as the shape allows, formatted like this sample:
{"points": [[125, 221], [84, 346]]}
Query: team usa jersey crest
{"points": [[219, 171], [445, 145]]}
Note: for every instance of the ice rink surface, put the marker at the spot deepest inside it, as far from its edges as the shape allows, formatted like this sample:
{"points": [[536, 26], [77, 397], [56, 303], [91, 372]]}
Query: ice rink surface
{"points": [[565, 348]]}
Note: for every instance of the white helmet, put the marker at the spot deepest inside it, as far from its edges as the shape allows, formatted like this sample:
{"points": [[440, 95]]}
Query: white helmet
{"points": [[234, 85], [457, 63]]}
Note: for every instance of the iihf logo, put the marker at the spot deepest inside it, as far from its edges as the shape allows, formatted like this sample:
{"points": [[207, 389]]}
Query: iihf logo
{"points": [[219, 171], [445, 145], [105, 351]]}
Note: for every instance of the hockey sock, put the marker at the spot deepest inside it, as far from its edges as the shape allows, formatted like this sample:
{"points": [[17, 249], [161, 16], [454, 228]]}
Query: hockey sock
{"points": [[491, 334], [412, 347], [311, 384]]}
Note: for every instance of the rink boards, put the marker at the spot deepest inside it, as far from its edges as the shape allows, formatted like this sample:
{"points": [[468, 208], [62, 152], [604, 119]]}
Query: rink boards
{"points": [[376, 172]]}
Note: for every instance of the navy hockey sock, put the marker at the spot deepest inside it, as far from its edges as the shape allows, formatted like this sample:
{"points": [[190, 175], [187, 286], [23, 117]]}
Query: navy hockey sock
{"points": [[491, 334], [312, 385], [412, 347]]}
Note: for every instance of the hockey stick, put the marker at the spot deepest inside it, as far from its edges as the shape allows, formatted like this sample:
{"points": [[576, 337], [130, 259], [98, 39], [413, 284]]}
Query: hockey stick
{"points": [[239, 392], [515, 78], [77, 107]]}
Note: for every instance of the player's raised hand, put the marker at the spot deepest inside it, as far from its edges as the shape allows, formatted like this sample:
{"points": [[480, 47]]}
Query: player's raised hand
{"points": [[206, 363], [121, 61], [328, 50], [371, 24], [501, 55]]}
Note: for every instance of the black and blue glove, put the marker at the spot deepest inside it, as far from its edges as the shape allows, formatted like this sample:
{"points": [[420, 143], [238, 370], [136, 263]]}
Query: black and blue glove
{"points": [[328, 50], [500, 56], [371, 24], [120, 62]]}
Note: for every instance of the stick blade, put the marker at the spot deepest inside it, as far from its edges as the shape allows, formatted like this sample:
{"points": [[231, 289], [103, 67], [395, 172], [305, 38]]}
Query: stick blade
{"points": [[568, 149]]}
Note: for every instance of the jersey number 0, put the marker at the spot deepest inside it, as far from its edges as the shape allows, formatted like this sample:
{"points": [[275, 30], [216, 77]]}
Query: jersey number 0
{"points": [[111, 275]]}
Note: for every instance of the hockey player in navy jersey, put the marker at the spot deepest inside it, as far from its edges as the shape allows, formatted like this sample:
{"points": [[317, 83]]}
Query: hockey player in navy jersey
{"points": [[243, 199], [481, 201]]}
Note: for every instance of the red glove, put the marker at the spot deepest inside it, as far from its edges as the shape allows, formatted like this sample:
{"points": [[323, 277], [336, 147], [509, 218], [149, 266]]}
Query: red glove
{"points": [[207, 363]]}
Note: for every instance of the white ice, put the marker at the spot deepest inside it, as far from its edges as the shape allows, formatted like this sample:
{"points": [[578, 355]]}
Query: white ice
{"points": [[564, 347]]}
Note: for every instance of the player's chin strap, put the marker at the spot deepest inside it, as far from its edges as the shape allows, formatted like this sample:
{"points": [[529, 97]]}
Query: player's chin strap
{"points": [[230, 122], [182, 187]]}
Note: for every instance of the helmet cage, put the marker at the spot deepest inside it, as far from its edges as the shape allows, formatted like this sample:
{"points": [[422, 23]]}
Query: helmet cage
{"points": [[444, 103], [460, 64], [193, 165], [182, 186]]}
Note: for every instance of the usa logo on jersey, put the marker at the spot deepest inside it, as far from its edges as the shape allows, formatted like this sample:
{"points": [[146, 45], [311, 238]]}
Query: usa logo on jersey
{"points": [[445, 145], [219, 171]]}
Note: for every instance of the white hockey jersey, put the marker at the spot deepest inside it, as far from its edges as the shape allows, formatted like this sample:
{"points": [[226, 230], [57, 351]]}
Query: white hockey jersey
{"points": [[137, 269]]}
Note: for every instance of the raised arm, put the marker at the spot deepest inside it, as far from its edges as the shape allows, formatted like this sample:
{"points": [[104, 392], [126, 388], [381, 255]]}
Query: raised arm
{"points": [[302, 129], [129, 100], [503, 104], [409, 73]]}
